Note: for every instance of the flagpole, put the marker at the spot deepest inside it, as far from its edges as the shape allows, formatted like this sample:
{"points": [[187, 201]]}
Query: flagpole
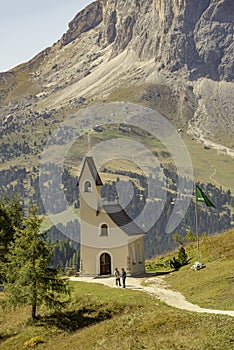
{"points": [[196, 225], [200, 197]]}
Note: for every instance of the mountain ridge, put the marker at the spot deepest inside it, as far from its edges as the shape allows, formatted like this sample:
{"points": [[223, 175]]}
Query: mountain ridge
{"points": [[176, 55]]}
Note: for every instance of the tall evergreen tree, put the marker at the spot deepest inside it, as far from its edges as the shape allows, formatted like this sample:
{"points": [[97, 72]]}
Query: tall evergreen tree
{"points": [[29, 277], [11, 216], [6, 232], [15, 210]]}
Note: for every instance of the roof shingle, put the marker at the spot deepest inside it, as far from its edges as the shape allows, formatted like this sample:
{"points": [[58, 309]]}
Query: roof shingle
{"points": [[122, 220]]}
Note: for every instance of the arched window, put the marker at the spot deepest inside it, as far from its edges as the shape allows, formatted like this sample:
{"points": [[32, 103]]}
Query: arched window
{"points": [[104, 230], [87, 186]]}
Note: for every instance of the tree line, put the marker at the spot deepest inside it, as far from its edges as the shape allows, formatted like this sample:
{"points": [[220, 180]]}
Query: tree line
{"points": [[157, 240]]}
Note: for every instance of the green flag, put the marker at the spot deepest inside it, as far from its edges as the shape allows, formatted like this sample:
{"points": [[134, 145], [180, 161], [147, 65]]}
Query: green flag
{"points": [[201, 197]]}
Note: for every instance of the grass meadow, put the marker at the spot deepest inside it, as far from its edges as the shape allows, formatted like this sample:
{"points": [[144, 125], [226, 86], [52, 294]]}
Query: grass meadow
{"points": [[100, 317]]}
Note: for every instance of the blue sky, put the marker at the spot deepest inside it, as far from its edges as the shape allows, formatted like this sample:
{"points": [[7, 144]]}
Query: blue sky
{"points": [[29, 26]]}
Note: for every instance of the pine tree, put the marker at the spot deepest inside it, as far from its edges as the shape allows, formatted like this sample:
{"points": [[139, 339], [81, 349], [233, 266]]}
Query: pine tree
{"points": [[11, 216], [29, 277], [15, 210], [182, 256], [6, 232]]}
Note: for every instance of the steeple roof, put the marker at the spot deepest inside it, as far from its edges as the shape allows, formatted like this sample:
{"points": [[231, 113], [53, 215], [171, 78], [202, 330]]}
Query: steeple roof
{"points": [[93, 171]]}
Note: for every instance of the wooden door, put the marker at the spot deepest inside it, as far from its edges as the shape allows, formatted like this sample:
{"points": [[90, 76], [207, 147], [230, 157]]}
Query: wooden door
{"points": [[105, 264]]}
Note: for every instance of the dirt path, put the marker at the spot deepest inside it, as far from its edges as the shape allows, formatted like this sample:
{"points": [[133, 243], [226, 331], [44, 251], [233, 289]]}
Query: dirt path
{"points": [[157, 287]]}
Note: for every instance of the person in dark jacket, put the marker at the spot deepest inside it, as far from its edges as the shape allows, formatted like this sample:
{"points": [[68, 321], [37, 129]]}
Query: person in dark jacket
{"points": [[123, 277]]}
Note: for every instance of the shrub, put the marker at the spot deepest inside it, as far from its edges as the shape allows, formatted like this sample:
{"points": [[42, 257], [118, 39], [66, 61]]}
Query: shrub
{"points": [[177, 263]]}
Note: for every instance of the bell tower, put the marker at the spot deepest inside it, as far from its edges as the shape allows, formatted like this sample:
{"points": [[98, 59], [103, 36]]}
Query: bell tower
{"points": [[90, 204], [90, 190]]}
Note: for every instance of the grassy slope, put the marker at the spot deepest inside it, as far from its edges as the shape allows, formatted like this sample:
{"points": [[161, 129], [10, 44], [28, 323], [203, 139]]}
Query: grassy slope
{"points": [[102, 318], [213, 286], [207, 165]]}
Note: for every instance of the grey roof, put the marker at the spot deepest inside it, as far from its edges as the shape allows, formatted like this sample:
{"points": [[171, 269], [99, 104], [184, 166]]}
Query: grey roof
{"points": [[122, 220], [93, 170]]}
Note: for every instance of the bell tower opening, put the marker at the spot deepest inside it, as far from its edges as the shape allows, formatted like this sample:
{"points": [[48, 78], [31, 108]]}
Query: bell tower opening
{"points": [[87, 186]]}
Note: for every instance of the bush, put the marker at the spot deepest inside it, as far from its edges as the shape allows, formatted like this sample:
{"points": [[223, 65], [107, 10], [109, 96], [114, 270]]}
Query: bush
{"points": [[177, 263]]}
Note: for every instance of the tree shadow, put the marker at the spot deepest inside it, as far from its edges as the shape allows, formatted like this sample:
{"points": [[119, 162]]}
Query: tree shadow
{"points": [[4, 337], [75, 319]]}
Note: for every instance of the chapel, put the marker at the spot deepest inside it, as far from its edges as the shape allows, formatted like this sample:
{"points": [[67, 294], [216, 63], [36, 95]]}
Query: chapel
{"points": [[109, 238]]}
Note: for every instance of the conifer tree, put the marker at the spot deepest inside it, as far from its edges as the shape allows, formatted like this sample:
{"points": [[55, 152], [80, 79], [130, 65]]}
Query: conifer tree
{"points": [[11, 216], [29, 277], [6, 232]]}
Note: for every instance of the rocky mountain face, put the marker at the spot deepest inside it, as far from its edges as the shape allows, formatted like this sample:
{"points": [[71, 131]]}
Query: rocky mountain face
{"points": [[175, 56], [195, 35]]}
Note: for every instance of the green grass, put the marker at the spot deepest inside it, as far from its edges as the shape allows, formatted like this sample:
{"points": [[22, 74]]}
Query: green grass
{"points": [[208, 166], [100, 317], [213, 286]]}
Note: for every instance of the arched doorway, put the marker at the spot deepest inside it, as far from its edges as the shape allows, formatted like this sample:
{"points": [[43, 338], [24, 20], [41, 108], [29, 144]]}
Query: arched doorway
{"points": [[105, 264]]}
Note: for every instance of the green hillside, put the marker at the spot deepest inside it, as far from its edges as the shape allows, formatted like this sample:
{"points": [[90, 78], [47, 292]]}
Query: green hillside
{"points": [[213, 286], [100, 317]]}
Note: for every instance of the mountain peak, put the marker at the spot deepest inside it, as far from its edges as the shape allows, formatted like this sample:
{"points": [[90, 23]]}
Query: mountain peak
{"points": [[84, 21], [192, 35]]}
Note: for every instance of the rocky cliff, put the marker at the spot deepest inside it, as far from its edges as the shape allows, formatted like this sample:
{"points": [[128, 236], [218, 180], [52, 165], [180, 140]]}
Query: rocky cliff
{"points": [[191, 34], [175, 56]]}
